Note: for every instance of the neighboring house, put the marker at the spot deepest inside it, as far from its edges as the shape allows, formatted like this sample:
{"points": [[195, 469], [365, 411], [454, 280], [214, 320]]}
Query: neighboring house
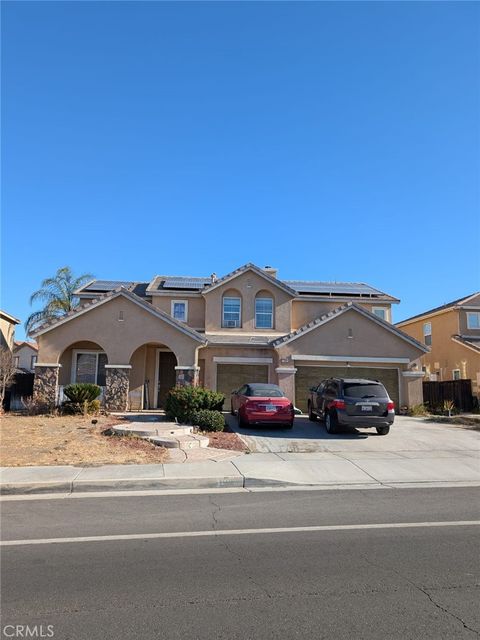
{"points": [[7, 329], [138, 339], [25, 354], [452, 332]]}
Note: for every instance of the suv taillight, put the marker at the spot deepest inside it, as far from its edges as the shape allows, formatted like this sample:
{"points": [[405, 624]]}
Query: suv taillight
{"points": [[338, 404], [390, 406]]}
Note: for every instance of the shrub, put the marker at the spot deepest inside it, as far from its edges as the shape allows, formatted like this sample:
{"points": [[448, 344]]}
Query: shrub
{"points": [[82, 392], [182, 402], [84, 407], [418, 410], [208, 420]]}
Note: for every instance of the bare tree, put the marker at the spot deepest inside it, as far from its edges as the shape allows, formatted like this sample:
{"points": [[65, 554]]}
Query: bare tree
{"points": [[7, 372]]}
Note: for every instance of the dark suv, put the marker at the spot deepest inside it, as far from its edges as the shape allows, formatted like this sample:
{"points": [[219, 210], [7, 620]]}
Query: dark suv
{"points": [[351, 402]]}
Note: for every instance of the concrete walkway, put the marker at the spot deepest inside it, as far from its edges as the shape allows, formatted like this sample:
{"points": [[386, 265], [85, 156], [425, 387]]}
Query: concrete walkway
{"points": [[320, 469]]}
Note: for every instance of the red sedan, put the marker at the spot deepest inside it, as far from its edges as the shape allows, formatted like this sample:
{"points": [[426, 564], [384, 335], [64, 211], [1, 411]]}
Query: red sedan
{"points": [[257, 403]]}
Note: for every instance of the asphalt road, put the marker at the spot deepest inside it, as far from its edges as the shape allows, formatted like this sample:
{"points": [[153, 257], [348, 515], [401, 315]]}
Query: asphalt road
{"points": [[375, 580]]}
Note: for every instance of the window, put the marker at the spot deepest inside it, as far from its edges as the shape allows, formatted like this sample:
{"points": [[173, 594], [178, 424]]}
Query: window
{"points": [[264, 313], [89, 366], [427, 333], [33, 362], [456, 374], [231, 312], [473, 320], [180, 310], [381, 312], [362, 390]]}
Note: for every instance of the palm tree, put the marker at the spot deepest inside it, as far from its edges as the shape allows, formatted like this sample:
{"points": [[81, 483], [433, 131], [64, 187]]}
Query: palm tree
{"points": [[58, 295]]}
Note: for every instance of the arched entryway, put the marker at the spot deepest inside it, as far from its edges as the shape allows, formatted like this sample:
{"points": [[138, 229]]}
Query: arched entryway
{"points": [[152, 375]]}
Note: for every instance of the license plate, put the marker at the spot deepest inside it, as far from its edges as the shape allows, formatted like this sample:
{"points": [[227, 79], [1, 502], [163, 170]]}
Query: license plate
{"points": [[366, 407], [270, 407]]}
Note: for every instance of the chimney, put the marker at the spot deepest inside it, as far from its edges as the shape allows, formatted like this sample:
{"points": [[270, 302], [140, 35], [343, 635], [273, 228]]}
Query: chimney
{"points": [[271, 271]]}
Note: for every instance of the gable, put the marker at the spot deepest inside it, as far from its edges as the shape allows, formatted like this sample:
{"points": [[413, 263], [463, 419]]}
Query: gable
{"points": [[119, 324], [252, 272], [354, 333]]}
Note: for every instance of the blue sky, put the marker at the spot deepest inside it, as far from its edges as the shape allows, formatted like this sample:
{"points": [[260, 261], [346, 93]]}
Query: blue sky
{"points": [[335, 141]]}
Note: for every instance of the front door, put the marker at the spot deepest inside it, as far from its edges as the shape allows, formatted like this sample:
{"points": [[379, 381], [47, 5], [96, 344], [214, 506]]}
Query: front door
{"points": [[166, 375]]}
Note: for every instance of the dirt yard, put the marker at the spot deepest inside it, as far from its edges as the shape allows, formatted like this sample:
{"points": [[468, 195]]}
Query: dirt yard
{"points": [[70, 440], [226, 440]]}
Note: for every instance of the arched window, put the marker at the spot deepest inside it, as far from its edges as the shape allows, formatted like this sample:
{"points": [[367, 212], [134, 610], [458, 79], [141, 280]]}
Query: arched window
{"points": [[231, 309], [264, 310]]}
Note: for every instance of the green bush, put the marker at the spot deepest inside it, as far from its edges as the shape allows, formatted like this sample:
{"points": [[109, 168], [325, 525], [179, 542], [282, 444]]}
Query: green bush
{"points": [[182, 402], [208, 420], [418, 410], [84, 408], [81, 392]]}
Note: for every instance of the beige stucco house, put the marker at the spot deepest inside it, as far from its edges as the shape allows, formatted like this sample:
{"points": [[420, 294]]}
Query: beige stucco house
{"points": [[25, 355], [452, 332], [138, 339], [7, 329]]}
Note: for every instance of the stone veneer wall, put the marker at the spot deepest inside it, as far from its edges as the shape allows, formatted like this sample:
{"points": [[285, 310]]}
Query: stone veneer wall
{"points": [[116, 389], [45, 386]]}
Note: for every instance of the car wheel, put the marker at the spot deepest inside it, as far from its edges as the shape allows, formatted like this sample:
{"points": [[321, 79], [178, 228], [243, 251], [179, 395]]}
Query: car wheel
{"points": [[241, 422], [311, 416], [331, 422], [383, 431]]}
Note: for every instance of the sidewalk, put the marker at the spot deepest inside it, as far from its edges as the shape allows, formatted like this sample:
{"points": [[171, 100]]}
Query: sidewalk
{"points": [[367, 469]]}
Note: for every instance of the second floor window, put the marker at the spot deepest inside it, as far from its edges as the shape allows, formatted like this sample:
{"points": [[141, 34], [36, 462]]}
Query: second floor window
{"points": [[33, 362], [264, 313], [381, 312], [231, 312], [473, 320], [427, 333], [179, 310]]}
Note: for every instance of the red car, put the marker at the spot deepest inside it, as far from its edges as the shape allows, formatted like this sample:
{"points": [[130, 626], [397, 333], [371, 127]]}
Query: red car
{"points": [[257, 403]]}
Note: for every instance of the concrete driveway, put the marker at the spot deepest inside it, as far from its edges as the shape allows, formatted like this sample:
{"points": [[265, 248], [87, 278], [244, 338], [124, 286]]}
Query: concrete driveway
{"points": [[408, 438]]}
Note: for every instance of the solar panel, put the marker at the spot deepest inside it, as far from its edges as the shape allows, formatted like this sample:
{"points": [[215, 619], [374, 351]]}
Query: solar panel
{"points": [[351, 288], [107, 285], [185, 283]]}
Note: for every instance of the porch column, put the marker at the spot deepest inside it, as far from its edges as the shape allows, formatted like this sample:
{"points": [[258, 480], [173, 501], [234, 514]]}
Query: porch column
{"points": [[187, 376], [117, 380], [45, 384], [286, 381]]}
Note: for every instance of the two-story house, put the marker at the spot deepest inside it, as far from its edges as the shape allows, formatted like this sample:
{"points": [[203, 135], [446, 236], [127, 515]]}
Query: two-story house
{"points": [[25, 355], [7, 330], [452, 332], [138, 339]]}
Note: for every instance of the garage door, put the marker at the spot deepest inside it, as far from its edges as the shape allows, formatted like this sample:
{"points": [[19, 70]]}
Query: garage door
{"points": [[233, 376], [307, 377]]}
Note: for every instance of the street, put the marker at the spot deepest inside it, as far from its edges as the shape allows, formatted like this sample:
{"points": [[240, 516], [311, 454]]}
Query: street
{"points": [[407, 566]]}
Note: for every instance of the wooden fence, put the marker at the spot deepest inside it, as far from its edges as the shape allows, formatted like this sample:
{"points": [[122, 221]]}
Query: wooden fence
{"points": [[458, 391]]}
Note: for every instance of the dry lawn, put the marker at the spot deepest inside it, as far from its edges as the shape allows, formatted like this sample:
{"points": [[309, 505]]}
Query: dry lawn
{"points": [[70, 440]]}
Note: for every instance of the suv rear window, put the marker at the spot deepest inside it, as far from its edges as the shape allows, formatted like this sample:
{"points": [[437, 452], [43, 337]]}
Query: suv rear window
{"points": [[362, 390]]}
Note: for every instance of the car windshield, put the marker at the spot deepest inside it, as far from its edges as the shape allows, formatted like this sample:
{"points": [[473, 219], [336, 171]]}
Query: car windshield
{"points": [[264, 392], [364, 390]]}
